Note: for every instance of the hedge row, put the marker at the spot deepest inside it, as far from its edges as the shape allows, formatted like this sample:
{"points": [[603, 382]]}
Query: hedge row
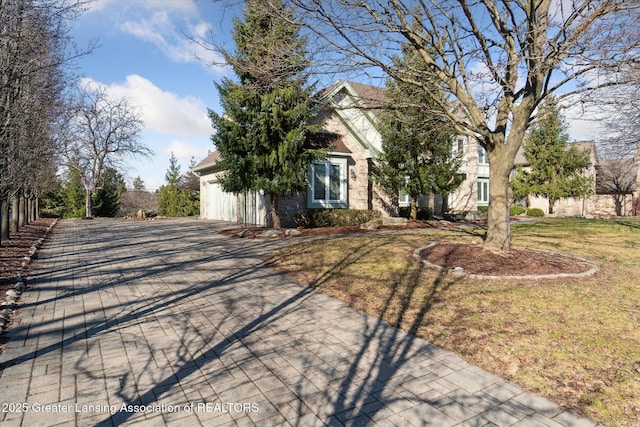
{"points": [[313, 218], [519, 210]]}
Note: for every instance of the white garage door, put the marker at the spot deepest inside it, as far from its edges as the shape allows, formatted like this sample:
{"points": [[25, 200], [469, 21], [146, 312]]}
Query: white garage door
{"points": [[221, 205]]}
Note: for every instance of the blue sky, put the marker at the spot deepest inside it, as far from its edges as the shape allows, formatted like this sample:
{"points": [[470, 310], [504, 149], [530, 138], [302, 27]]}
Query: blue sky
{"points": [[145, 55]]}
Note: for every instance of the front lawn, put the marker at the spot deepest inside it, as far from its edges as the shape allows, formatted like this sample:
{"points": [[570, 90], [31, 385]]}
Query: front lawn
{"points": [[575, 341]]}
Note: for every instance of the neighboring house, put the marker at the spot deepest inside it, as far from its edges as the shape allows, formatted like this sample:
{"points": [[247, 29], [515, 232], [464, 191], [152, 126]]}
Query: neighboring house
{"points": [[615, 187], [342, 180], [618, 186]]}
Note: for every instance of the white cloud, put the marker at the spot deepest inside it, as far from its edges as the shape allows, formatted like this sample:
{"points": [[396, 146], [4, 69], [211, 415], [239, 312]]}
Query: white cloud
{"points": [[181, 6], [162, 111], [171, 26], [183, 151]]}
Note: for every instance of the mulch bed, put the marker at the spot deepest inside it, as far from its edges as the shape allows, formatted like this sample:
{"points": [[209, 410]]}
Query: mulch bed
{"points": [[472, 258], [250, 232], [518, 262], [13, 250]]}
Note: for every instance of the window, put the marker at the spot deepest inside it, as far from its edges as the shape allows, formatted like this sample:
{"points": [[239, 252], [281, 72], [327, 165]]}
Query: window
{"points": [[403, 198], [483, 158], [483, 192], [458, 146], [328, 184]]}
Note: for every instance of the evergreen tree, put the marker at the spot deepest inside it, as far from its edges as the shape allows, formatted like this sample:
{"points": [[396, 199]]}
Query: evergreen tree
{"points": [[555, 169], [107, 194], [189, 180], [261, 135], [174, 199], [172, 176], [416, 146], [74, 195], [138, 184]]}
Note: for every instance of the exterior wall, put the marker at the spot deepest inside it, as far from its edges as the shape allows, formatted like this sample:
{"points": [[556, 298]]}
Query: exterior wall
{"points": [[565, 207], [288, 207], [465, 198], [361, 194], [605, 204]]}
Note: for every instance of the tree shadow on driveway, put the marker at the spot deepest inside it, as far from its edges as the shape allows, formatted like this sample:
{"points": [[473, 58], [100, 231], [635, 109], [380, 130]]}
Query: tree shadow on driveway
{"points": [[171, 312]]}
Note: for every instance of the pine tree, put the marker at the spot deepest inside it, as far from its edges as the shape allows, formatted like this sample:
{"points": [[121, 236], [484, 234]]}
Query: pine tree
{"points": [[262, 134], [138, 184], [173, 198], [74, 195], [555, 169], [416, 142], [107, 195]]}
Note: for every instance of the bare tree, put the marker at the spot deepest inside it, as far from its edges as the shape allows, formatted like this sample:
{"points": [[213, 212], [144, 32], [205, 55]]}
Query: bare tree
{"points": [[619, 110], [497, 59], [103, 131], [36, 53]]}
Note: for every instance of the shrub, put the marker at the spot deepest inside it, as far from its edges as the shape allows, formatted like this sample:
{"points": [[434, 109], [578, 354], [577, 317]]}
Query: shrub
{"points": [[483, 209], [535, 212], [313, 218], [422, 214], [516, 210]]}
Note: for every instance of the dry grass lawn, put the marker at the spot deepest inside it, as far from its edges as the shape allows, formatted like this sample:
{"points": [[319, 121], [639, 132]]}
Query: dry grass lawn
{"points": [[575, 341]]}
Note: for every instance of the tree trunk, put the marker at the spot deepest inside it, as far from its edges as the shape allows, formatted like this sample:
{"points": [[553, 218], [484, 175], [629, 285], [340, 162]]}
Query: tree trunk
{"points": [[273, 211], [87, 204], [15, 213], [501, 160], [413, 214], [22, 220], [29, 209], [498, 223], [551, 203], [4, 219]]}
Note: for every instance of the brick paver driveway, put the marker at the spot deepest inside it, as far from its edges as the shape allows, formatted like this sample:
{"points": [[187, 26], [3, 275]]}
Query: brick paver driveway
{"points": [[169, 323]]}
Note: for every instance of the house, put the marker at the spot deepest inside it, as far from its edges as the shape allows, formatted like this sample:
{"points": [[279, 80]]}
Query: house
{"points": [[347, 111], [473, 193], [342, 180], [615, 191]]}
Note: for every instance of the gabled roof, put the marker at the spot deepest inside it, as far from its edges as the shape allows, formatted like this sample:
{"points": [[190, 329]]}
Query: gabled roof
{"points": [[368, 96], [208, 162]]}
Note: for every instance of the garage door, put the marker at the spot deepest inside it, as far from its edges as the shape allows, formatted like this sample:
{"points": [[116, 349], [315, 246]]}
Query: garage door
{"points": [[221, 205]]}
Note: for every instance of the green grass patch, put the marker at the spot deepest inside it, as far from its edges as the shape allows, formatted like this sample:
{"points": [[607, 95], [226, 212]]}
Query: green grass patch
{"points": [[575, 341]]}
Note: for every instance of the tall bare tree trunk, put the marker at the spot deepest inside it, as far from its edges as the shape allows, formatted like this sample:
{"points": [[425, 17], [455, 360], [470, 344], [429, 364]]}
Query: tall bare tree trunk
{"points": [[4, 219], [29, 209], [22, 220], [15, 213], [87, 204], [501, 158], [498, 223]]}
